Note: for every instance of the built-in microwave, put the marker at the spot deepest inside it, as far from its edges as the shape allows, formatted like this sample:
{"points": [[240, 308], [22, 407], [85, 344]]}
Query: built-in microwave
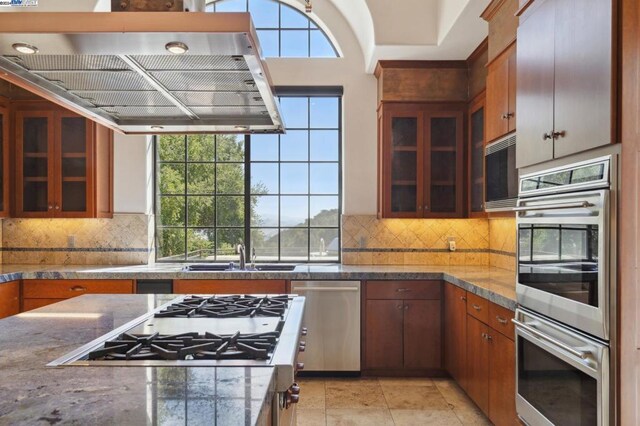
{"points": [[501, 174]]}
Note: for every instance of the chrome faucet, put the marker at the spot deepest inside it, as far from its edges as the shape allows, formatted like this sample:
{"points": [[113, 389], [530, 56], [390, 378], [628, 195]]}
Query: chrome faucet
{"points": [[240, 249]]}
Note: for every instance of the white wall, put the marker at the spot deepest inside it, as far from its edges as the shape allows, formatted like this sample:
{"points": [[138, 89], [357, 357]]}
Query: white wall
{"points": [[133, 177]]}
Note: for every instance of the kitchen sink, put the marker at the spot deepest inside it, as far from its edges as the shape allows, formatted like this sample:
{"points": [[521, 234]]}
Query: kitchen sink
{"points": [[228, 267]]}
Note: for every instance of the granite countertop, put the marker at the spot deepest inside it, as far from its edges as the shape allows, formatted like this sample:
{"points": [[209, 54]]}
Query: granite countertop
{"points": [[495, 284], [32, 393]]}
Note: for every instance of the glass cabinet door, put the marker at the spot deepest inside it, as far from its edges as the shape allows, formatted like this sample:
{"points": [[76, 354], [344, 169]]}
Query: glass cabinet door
{"points": [[443, 156], [35, 145], [404, 165], [73, 159], [476, 160]]}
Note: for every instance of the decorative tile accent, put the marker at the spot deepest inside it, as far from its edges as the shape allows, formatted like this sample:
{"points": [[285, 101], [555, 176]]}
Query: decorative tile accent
{"points": [[125, 239]]}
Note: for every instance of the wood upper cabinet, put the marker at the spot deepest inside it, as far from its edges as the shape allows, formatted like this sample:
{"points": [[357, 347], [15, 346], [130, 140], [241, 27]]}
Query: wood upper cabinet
{"points": [[455, 335], [475, 151], [501, 95], [421, 160], [64, 164], [4, 157], [566, 82], [402, 326]]}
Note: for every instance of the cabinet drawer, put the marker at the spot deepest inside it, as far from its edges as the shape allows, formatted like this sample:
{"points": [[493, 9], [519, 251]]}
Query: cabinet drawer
{"points": [[229, 286], [404, 289], [478, 307], [500, 320], [65, 289]]}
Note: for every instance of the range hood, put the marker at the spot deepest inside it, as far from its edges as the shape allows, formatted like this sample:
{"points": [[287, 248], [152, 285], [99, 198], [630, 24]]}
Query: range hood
{"points": [[116, 68]]}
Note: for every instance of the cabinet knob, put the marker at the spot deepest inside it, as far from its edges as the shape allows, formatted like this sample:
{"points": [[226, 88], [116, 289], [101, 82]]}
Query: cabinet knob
{"points": [[57, 207], [463, 298], [501, 320], [426, 207], [406, 308], [546, 136], [476, 307], [505, 116], [510, 115], [557, 135], [299, 366], [50, 206], [399, 306], [304, 331], [419, 207]]}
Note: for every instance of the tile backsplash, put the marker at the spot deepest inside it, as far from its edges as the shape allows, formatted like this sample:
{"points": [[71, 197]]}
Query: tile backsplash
{"points": [[367, 240], [502, 242], [125, 239]]}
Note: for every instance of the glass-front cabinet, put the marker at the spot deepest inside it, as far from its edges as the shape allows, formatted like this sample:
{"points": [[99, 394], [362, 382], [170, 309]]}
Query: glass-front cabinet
{"points": [[56, 166], [420, 160], [476, 158]]}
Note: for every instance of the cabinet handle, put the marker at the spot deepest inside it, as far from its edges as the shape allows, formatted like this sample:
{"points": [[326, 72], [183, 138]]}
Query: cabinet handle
{"points": [[546, 136], [501, 320], [57, 207], [406, 307], [78, 288], [426, 207], [557, 135], [505, 116], [463, 298], [399, 306], [403, 290], [510, 115], [489, 338], [477, 307], [419, 207], [50, 206]]}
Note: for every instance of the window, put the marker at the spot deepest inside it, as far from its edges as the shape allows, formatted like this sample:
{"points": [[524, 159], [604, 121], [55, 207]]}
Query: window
{"points": [[282, 30], [280, 194]]}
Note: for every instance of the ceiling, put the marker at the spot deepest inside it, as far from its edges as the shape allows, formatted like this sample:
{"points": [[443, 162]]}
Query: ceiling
{"points": [[415, 29]]}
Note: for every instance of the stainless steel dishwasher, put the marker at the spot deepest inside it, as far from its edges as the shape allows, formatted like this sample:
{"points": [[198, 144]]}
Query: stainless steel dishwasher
{"points": [[332, 317]]}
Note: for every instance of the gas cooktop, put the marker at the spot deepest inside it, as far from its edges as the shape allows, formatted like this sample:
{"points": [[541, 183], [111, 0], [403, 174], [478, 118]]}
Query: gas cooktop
{"points": [[235, 306]]}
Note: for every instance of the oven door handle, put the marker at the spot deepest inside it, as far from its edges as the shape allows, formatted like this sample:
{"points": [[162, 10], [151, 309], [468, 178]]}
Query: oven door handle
{"points": [[538, 334], [557, 206]]}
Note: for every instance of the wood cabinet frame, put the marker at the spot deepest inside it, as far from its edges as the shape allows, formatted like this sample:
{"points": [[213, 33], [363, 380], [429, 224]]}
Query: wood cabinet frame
{"points": [[6, 155], [99, 163], [421, 112], [477, 103]]}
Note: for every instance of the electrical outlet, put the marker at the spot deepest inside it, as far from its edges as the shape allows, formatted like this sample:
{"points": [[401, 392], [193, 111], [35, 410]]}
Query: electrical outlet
{"points": [[452, 244], [71, 241]]}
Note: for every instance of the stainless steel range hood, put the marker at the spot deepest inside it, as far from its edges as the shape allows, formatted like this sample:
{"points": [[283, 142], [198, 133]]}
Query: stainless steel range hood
{"points": [[114, 68]]}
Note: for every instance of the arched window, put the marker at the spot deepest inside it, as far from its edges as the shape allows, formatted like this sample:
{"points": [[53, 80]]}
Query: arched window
{"points": [[283, 31]]}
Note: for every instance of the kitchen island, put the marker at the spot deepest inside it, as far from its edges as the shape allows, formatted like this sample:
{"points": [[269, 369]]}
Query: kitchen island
{"points": [[32, 393]]}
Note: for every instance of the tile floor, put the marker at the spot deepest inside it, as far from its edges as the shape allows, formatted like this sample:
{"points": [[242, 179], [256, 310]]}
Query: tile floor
{"points": [[385, 401]]}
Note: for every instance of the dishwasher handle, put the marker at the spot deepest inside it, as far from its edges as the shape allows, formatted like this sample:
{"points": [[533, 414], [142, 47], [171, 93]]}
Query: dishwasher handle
{"points": [[295, 289]]}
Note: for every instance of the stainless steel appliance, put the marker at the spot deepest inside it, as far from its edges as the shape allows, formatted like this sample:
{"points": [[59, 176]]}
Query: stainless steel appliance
{"points": [[145, 71], [565, 247], [562, 376], [196, 331], [332, 315], [501, 174]]}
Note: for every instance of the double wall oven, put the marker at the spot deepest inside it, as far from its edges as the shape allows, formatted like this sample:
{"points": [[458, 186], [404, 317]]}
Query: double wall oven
{"points": [[566, 294]]}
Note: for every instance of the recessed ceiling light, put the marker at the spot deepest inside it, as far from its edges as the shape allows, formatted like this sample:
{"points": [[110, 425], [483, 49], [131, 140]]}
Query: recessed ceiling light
{"points": [[25, 48], [157, 127], [176, 47]]}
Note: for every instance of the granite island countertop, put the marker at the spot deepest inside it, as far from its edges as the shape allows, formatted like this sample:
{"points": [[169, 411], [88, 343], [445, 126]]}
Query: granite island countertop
{"points": [[495, 284], [32, 393]]}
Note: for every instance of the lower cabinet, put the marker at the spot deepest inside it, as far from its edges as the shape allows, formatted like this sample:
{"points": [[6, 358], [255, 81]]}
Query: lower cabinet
{"points": [[455, 333], [402, 327], [490, 366], [9, 298], [38, 293], [230, 286]]}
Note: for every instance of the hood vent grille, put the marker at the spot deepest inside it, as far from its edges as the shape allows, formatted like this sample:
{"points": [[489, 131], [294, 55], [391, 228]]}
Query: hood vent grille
{"points": [[131, 87]]}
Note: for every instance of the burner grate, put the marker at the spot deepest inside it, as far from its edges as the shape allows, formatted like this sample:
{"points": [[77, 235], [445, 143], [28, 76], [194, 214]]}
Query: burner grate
{"points": [[235, 306], [187, 346]]}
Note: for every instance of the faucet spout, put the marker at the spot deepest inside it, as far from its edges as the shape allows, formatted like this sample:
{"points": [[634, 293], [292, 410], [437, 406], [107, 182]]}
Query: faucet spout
{"points": [[240, 249]]}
